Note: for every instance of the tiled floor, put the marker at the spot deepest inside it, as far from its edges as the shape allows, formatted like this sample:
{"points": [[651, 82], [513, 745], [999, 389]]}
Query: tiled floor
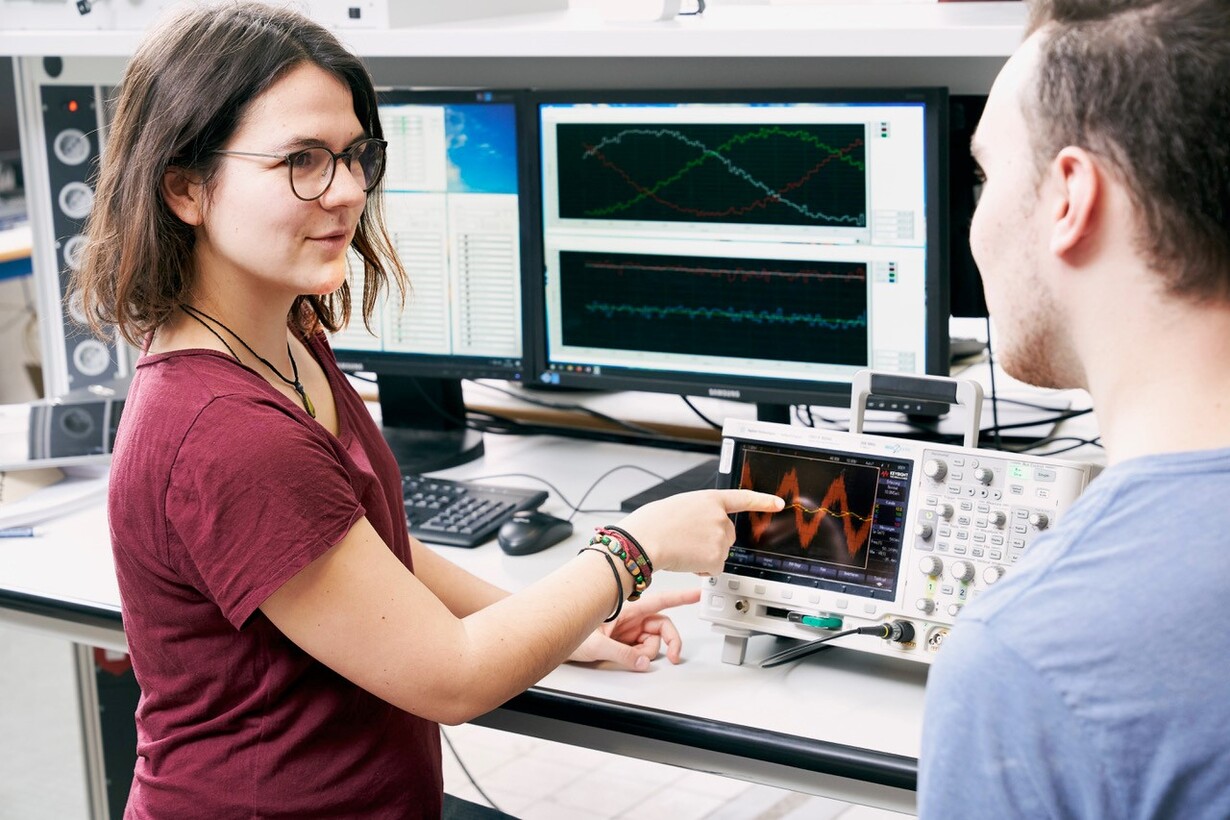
{"points": [[41, 774]]}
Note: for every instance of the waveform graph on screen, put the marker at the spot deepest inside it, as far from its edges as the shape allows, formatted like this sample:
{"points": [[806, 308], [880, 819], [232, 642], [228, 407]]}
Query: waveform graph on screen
{"points": [[770, 309], [770, 174], [829, 513]]}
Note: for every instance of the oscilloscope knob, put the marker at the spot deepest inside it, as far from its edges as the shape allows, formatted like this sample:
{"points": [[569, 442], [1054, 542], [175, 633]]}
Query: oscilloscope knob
{"points": [[946, 511], [925, 605], [984, 475], [932, 566], [998, 518], [923, 531], [963, 571], [992, 574], [1039, 520], [935, 469]]}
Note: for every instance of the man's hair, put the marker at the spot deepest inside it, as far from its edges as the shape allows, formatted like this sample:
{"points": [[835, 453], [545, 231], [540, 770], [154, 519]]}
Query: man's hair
{"points": [[1145, 84], [182, 96]]}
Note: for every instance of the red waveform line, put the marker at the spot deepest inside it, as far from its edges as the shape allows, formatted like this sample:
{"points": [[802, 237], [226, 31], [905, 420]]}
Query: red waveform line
{"points": [[835, 498], [730, 275], [733, 210]]}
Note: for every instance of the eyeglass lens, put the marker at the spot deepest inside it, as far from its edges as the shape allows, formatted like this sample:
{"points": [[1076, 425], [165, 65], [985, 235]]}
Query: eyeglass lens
{"points": [[311, 170]]}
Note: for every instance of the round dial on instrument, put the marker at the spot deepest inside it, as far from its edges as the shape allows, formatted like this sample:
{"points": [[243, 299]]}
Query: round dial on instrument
{"points": [[992, 574], [963, 571], [1039, 520], [925, 605], [984, 475], [935, 469], [930, 565], [946, 511], [923, 531], [998, 518]]}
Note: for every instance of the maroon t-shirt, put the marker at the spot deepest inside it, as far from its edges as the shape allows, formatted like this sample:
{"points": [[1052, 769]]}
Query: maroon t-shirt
{"points": [[221, 490]]}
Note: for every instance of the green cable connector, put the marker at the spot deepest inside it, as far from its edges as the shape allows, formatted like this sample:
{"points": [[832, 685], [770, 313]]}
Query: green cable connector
{"points": [[816, 621]]}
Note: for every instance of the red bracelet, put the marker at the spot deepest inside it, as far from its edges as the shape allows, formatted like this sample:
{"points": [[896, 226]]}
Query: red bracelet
{"points": [[621, 546]]}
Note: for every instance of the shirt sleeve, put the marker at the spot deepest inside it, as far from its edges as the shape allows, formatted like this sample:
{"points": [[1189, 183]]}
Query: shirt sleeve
{"points": [[255, 496], [998, 740]]}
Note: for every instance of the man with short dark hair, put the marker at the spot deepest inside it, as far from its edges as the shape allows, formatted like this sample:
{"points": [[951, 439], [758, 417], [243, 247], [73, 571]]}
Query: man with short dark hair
{"points": [[1091, 682]]}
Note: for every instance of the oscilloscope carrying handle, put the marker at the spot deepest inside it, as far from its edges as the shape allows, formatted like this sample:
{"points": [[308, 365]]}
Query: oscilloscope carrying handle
{"points": [[962, 392]]}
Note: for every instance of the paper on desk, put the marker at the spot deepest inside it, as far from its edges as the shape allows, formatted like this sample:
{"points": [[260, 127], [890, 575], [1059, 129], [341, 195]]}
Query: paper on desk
{"points": [[80, 488]]}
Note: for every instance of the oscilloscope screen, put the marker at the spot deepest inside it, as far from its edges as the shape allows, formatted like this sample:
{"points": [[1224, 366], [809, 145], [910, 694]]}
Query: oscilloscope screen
{"points": [[842, 527]]}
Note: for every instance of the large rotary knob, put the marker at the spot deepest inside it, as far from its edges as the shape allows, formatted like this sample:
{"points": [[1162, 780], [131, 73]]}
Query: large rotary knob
{"points": [[963, 571], [992, 574], [932, 566], [923, 531], [984, 475], [998, 518], [935, 469], [1039, 520], [946, 511]]}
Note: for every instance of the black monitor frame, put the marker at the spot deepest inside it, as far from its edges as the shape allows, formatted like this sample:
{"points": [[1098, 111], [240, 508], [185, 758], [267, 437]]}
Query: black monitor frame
{"points": [[422, 411], [770, 393]]}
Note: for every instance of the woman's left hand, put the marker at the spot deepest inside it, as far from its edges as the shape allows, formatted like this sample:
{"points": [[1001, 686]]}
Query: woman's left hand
{"points": [[639, 634]]}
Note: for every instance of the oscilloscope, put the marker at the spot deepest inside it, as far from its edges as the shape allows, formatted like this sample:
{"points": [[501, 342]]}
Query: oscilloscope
{"points": [[876, 530]]}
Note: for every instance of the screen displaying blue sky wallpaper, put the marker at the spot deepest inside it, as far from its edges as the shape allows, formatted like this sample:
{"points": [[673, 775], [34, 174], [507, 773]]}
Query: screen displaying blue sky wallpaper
{"points": [[482, 149]]}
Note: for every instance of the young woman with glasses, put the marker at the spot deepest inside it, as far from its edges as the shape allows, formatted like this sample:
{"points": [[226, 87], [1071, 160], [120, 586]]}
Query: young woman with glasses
{"points": [[294, 646]]}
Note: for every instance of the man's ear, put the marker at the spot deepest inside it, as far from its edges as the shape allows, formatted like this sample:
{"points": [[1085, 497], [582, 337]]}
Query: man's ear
{"points": [[1078, 182], [184, 195]]}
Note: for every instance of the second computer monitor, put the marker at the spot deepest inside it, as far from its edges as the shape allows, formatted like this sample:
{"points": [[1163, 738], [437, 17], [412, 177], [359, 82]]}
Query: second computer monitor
{"points": [[755, 245]]}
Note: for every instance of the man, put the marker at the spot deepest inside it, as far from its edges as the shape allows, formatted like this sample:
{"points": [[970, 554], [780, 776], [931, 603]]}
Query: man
{"points": [[1092, 682]]}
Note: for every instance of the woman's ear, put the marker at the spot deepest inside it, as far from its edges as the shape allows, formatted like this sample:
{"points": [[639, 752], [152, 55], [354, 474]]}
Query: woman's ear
{"points": [[184, 195]]}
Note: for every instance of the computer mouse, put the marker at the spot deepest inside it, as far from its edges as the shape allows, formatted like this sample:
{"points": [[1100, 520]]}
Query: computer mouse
{"points": [[531, 531]]}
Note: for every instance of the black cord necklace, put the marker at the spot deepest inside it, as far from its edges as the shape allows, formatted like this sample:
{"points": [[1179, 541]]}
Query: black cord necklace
{"points": [[294, 382]]}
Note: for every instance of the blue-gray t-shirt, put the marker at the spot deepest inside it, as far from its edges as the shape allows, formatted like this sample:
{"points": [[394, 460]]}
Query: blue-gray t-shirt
{"points": [[1094, 680]]}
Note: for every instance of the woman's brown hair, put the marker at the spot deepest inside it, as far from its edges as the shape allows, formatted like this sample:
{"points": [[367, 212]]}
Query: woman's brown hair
{"points": [[182, 96]]}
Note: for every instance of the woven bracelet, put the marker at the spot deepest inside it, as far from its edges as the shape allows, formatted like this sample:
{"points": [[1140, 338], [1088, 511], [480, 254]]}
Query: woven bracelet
{"points": [[622, 548], [619, 585], [642, 557]]}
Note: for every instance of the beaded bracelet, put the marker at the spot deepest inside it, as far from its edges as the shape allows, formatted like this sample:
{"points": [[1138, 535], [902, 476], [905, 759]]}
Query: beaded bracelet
{"points": [[642, 557], [620, 546], [619, 586]]}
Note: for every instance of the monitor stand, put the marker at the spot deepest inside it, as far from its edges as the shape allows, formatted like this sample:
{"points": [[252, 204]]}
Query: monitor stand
{"points": [[704, 475], [423, 420]]}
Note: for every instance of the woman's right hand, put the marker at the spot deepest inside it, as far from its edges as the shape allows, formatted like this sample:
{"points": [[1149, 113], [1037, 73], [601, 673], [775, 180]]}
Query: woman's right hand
{"points": [[692, 532]]}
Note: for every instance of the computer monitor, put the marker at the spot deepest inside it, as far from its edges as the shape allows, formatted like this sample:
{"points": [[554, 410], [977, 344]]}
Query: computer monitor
{"points": [[456, 207], [760, 246]]}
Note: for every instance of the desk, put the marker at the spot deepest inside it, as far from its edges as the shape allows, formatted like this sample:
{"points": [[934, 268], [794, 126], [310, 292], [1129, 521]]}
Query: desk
{"points": [[841, 724]]}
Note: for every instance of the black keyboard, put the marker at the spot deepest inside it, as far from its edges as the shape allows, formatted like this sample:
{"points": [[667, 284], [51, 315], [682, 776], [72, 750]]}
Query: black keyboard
{"points": [[461, 513]]}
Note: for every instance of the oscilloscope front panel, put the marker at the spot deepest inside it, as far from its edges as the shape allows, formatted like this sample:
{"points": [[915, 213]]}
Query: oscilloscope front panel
{"points": [[875, 529]]}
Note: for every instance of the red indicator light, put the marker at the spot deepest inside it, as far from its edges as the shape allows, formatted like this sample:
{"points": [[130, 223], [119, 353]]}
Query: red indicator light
{"points": [[72, 106]]}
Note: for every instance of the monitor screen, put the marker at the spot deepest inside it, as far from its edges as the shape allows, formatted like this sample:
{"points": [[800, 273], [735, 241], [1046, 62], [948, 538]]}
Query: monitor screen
{"points": [[759, 246], [455, 208]]}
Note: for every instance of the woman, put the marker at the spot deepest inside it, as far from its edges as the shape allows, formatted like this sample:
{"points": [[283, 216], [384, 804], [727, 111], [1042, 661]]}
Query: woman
{"points": [[294, 647]]}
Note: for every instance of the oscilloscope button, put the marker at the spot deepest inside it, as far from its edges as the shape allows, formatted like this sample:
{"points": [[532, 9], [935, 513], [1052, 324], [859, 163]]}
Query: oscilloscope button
{"points": [[935, 469]]}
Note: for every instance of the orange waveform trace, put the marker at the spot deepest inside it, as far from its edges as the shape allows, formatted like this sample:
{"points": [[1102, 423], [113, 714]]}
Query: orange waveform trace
{"points": [[835, 503]]}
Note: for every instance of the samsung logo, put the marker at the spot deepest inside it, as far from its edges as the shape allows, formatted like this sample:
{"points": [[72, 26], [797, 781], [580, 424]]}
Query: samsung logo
{"points": [[724, 393]]}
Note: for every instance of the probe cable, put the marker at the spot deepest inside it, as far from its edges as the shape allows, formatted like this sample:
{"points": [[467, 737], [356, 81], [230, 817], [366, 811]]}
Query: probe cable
{"points": [[897, 631]]}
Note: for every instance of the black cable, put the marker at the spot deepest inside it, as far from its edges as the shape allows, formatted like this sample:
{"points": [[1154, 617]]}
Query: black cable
{"points": [[999, 444], [576, 508], [572, 407], [466, 771], [701, 415], [898, 631]]}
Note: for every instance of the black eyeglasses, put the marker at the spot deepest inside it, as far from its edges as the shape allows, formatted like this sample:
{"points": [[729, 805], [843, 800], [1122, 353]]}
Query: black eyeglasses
{"points": [[312, 169]]}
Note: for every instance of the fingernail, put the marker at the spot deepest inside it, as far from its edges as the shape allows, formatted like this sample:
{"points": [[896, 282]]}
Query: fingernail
{"points": [[642, 663]]}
